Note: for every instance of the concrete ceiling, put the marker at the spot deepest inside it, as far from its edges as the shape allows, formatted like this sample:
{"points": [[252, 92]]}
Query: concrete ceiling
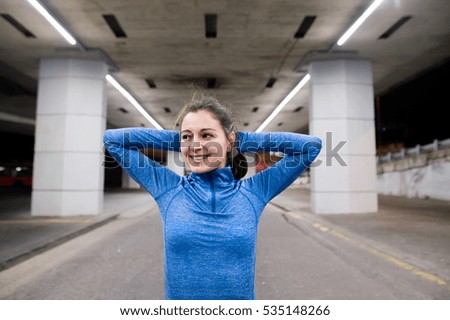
{"points": [[255, 41]]}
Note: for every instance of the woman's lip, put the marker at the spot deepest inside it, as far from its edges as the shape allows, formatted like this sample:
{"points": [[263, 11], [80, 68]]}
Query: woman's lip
{"points": [[198, 157]]}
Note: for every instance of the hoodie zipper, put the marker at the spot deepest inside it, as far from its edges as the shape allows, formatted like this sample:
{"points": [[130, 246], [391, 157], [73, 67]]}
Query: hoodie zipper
{"points": [[213, 192]]}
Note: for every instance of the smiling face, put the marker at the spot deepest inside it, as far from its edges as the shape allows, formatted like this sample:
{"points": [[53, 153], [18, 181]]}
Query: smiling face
{"points": [[204, 144]]}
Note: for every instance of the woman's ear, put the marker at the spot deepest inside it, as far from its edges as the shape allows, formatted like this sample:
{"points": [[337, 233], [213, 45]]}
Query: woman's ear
{"points": [[231, 140]]}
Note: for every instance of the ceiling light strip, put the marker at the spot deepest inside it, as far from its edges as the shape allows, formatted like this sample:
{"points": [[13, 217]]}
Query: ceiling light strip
{"points": [[358, 22], [133, 101], [285, 101], [109, 78], [53, 22]]}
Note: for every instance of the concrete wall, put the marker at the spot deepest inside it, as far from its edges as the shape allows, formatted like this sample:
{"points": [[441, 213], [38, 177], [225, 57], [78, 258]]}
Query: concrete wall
{"points": [[421, 176]]}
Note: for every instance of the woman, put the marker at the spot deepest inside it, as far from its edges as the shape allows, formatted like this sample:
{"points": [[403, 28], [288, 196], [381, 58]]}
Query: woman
{"points": [[210, 217]]}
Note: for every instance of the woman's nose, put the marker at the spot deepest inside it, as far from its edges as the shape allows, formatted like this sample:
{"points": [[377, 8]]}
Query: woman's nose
{"points": [[196, 144]]}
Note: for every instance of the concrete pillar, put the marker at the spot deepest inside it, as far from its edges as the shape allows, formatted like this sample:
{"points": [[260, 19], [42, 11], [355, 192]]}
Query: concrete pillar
{"points": [[71, 117], [128, 182], [342, 113], [175, 162]]}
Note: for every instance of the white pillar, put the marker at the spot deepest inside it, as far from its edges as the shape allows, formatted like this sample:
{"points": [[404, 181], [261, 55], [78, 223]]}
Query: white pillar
{"points": [[341, 103], [71, 111], [128, 182], [175, 162]]}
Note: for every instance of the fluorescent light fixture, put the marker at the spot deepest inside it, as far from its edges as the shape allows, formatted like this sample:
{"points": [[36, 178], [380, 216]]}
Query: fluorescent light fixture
{"points": [[53, 21], [133, 101], [283, 103], [359, 22]]}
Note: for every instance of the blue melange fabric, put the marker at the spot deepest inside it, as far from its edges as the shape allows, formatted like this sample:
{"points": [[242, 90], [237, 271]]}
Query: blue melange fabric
{"points": [[210, 220]]}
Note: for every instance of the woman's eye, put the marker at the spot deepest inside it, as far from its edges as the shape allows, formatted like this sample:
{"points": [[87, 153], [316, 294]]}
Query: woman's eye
{"points": [[185, 137], [207, 135]]}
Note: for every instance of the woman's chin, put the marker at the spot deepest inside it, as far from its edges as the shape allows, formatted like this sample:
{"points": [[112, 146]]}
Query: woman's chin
{"points": [[202, 167]]}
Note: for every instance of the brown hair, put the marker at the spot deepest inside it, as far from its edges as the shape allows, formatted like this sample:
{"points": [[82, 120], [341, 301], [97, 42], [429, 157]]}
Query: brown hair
{"points": [[223, 114]]}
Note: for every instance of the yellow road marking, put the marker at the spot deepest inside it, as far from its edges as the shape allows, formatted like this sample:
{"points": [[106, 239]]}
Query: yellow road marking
{"points": [[391, 259], [321, 227], [429, 276], [342, 236], [295, 215]]}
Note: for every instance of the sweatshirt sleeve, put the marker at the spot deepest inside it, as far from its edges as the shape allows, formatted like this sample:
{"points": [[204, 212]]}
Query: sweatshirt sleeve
{"points": [[300, 150], [124, 146]]}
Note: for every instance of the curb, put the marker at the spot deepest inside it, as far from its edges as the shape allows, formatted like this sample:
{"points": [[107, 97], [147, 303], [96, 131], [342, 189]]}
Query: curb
{"points": [[56, 242]]}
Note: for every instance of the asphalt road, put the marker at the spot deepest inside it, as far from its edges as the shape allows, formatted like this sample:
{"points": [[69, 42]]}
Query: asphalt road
{"points": [[297, 259]]}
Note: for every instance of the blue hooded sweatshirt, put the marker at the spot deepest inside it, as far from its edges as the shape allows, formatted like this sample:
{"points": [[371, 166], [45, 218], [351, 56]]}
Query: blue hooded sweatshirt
{"points": [[210, 220]]}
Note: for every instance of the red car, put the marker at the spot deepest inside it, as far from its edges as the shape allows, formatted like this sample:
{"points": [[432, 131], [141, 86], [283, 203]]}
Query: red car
{"points": [[16, 175]]}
